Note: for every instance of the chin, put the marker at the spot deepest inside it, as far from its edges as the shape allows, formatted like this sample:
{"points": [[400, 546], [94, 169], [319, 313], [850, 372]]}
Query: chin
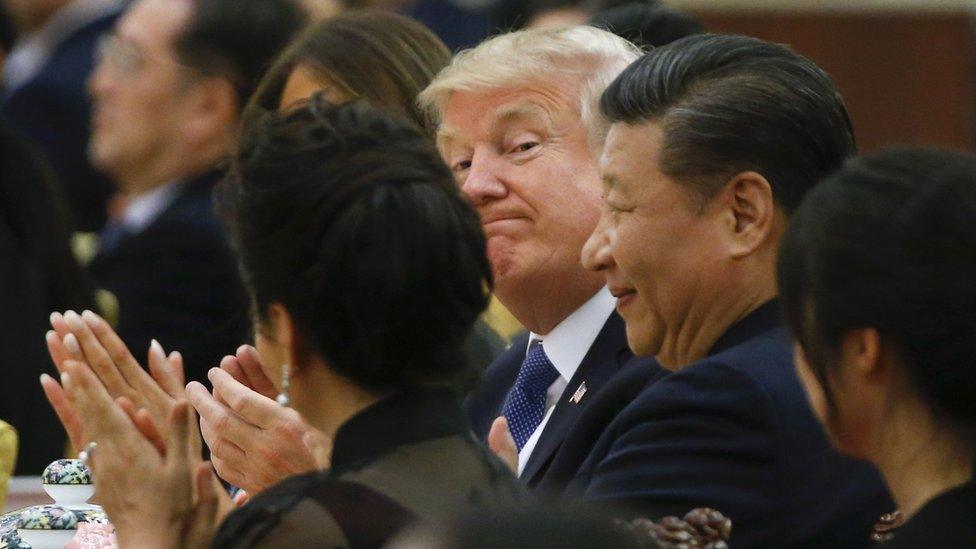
{"points": [[640, 341]]}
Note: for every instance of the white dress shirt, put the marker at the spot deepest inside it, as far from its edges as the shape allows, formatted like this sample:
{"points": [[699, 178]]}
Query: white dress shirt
{"points": [[566, 346], [143, 209]]}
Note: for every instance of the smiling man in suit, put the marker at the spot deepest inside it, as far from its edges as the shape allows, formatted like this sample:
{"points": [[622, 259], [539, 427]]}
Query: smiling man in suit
{"points": [[519, 126], [714, 142]]}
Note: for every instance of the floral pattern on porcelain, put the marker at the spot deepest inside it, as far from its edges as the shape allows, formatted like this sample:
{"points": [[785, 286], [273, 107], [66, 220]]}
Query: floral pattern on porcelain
{"points": [[10, 540], [47, 517], [67, 471], [94, 515]]}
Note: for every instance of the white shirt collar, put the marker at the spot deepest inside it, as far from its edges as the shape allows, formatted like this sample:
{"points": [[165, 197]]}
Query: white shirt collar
{"points": [[143, 209], [567, 344]]}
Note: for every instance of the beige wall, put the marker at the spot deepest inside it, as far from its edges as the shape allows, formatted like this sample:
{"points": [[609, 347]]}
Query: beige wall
{"points": [[826, 5]]}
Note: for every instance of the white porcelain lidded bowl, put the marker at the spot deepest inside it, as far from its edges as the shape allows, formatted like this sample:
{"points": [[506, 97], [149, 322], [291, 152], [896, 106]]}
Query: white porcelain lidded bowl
{"points": [[47, 526], [68, 482]]}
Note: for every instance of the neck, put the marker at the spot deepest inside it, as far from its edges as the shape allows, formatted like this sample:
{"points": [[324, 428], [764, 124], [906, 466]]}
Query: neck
{"points": [[541, 307], [734, 298], [922, 459], [176, 165], [327, 401]]}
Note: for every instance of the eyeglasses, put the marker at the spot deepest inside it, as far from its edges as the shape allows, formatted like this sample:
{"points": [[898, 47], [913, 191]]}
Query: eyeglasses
{"points": [[126, 57]]}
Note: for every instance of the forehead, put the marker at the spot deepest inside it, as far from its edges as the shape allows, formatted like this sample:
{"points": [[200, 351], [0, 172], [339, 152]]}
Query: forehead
{"points": [[154, 23], [471, 114], [631, 152]]}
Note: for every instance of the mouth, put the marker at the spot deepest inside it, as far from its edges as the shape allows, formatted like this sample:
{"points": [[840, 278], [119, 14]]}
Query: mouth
{"points": [[625, 297], [500, 222]]}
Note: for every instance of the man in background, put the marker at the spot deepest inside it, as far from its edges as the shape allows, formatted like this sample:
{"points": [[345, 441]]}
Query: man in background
{"points": [[167, 93]]}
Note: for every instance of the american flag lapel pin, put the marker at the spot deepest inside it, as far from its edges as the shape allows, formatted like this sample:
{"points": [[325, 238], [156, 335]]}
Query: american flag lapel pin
{"points": [[578, 395]]}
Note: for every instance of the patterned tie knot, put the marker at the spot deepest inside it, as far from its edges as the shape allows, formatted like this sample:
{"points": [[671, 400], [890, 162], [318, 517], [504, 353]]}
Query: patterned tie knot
{"points": [[526, 404], [537, 372]]}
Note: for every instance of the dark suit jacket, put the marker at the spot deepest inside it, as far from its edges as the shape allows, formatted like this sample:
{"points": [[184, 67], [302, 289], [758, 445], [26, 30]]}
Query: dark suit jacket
{"points": [[177, 282], [607, 357], [734, 432], [53, 110]]}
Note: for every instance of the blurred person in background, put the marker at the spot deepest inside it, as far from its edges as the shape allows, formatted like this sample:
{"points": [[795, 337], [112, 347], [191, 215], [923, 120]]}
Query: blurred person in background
{"points": [[168, 90], [45, 98], [38, 274], [643, 22], [8, 35], [648, 24], [876, 276]]}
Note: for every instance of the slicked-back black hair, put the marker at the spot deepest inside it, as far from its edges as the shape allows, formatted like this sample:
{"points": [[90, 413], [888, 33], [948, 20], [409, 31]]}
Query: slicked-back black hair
{"points": [[350, 219], [732, 103]]}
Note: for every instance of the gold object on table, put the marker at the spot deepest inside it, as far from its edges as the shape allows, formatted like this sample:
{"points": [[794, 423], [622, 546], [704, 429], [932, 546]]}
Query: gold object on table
{"points": [[8, 458]]}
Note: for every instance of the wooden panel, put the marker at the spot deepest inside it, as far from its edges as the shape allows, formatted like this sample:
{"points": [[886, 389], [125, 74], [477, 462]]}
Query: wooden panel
{"points": [[906, 78]]}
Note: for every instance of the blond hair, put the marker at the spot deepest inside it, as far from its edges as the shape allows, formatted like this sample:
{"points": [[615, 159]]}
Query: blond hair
{"points": [[589, 56]]}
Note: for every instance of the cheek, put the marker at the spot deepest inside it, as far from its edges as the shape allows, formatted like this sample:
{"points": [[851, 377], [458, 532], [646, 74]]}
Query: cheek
{"points": [[814, 391]]}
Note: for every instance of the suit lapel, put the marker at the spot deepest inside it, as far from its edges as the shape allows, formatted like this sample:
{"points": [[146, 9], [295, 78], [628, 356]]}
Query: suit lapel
{"points": [[606, 355]]}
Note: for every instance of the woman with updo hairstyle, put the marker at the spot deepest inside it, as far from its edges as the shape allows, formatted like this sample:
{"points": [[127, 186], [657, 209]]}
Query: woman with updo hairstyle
{"points": [[877, 276], [366, 269]]}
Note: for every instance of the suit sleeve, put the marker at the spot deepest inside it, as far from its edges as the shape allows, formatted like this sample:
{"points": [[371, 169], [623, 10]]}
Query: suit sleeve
{"points": [[703, 437]]}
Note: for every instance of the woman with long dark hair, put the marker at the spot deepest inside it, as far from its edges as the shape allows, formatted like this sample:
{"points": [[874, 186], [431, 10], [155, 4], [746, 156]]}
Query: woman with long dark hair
{"points": [[876, 276]]}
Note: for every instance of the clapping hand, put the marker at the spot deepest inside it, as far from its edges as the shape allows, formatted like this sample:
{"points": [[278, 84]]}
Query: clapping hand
{"points": [[254, 441], [88, 339], [154, 492]]}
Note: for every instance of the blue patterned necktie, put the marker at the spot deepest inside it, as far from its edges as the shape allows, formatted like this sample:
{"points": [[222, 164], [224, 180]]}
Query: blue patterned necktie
{"points": [[526, 403]]}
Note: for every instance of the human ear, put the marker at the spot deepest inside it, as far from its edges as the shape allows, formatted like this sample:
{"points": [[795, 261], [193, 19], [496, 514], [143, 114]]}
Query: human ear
{"points": [[282, 327], [213, 109], [862, 352], [748, 213]]}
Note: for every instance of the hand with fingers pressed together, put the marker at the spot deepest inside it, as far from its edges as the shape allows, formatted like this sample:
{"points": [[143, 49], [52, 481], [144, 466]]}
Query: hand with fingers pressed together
{"points": [[254, 441], [154, 492], [90, 341]]}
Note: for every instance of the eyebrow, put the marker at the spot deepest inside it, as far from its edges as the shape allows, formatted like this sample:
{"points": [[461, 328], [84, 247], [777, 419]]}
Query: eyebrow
{"points": [[446, 134], [521, 112]]}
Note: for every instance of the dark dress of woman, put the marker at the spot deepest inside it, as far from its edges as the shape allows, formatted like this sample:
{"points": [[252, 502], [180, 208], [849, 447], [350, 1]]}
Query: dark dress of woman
{"points": [[410, 457], [947, 521]]}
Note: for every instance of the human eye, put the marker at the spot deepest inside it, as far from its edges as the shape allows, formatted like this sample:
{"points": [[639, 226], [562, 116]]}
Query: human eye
{"points": [[460, 165], [525, 146]]}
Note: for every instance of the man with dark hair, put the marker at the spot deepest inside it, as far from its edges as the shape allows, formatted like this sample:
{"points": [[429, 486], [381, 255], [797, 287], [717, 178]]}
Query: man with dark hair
{"points": [[714, 141], [168, 90]]}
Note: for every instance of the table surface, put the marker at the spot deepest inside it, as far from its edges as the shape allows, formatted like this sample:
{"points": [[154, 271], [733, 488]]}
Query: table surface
{"points": [[24, 492]]}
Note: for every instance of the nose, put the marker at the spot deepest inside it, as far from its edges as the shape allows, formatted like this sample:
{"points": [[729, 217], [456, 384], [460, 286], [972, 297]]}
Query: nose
{"points": [[596, 254], [483, 183]]}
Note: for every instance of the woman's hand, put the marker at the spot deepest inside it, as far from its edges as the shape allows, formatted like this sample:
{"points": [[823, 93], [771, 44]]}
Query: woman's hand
{"points": [[154, 493], [254, 441], [88, 339]]}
